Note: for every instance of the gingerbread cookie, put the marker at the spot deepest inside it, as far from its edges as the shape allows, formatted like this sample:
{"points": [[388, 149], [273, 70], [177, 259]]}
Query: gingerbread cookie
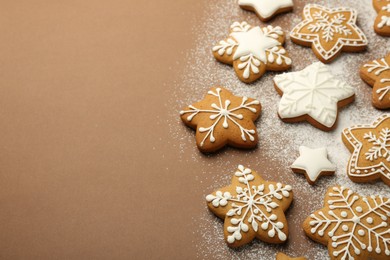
{"points": [[253, 50], [313, 163], [312, 95], [382, 21], [267, 9], [377, 74], [281, 256], [353, 227], [370, 148], [222, 118], [329, 31], [252, 207]]}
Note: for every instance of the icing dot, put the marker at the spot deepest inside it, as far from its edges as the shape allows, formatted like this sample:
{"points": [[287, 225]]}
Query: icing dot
{"points": [[370, 220], [359, 209], [345, 227], [344, 214], [361, 232]]}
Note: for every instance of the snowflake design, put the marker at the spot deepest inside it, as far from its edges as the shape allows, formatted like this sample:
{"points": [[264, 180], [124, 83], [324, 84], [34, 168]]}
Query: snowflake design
{"points": [[313, 91], [253, 50], [222, 111], [329, 26], [370, 148], [377, 74], [381, 145], [329, 31], [251, 204], [353, 227], [382, 22]]}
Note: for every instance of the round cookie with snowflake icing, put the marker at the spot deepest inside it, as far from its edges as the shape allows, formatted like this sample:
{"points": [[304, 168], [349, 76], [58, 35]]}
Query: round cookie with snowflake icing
{"points": [[253, 50], [353, 227], [222, 118], [370, 148], [382, 21], [252, 208], [329, 31]]}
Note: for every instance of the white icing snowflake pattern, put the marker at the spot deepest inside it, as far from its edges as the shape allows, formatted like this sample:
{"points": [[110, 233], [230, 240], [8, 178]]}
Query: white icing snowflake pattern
{"points": [[252, 47], [381, 145], [329, 26], [356, 226], [313, 91], [223, 111], [385, 20], [377, 66], [252, 206]]}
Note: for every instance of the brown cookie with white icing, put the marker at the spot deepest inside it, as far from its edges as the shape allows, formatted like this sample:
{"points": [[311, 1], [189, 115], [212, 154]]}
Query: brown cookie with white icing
{"points": [[382, 21]]}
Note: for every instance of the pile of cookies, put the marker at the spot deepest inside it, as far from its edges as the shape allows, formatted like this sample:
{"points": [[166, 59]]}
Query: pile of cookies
{"points": [[353, 227]]}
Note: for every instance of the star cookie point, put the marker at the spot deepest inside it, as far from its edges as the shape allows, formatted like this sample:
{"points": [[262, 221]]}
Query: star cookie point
{"points": [[370, 148], [222, 118], [252, 51], [382, 21], [281, 256], [252, 207], [329, 31], [267, 9]]}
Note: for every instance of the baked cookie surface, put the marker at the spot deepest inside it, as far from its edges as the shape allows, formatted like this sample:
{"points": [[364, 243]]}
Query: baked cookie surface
{"points": [[252, 207], [267, 9], [329, 31], [382, 21]]}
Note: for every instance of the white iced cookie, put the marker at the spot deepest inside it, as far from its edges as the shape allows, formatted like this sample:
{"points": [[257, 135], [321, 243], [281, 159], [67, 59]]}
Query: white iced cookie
{"points": [[267, 9]]}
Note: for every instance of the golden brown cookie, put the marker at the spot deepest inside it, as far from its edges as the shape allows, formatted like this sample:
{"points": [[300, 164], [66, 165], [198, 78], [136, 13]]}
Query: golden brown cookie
{"points": [[353, 227], [223, 119], [382, 21], [376, 73], [252, 207], [329, 31], [253, 50], [281, 256], [370, 148], [267, 9], [312, 94]]}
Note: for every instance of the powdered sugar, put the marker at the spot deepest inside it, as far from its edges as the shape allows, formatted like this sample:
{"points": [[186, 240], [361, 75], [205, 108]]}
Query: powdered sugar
{"points": [[279, 142]]}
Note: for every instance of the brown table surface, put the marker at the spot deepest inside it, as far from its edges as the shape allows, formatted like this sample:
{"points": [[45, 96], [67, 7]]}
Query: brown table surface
{"points": [[94, 162]]}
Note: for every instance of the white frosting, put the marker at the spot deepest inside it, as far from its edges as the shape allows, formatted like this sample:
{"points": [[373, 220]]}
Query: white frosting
{"points": [[251, 204], [266, 8], [223, 112], [378, 152], [377, 66], [253, 42], [313, 91], [313, 162], [348, 226], [329, 23], [385, 20]]}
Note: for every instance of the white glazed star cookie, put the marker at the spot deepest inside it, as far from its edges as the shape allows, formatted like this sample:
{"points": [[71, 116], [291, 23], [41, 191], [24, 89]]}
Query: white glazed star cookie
{"points": [[266, 9], [312, 94], [313, 163], [253, 50]]}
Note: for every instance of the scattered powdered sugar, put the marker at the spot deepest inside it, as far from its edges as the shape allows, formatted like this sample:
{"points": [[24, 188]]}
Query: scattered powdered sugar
{"points": [[279, 141]]}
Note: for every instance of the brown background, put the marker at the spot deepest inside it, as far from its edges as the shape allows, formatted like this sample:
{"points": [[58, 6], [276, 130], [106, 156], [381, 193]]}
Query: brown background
{"points": [[91, 165]]}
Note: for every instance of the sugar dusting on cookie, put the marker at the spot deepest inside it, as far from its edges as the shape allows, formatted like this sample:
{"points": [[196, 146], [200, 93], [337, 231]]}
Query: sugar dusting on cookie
{"points": [[279, 142]]}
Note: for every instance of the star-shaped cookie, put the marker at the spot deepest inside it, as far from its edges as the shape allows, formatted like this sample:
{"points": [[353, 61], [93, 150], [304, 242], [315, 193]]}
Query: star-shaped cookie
{"points": [[313, 163], [252, 207], [223, 119], [266, 9], [376, 73], [281, 256], [382, 21], [351, 226], [312, 94], [253, 50], [370, 148], [329, 31]]}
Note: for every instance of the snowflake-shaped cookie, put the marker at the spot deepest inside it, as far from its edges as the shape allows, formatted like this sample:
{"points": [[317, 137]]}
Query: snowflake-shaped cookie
{"points": [[382, 21], [370, 148], [353, 227], [266, 9], [253, 50], [329, 31], [222, 118], [252, 207], [312, 94], [377, 74]]}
